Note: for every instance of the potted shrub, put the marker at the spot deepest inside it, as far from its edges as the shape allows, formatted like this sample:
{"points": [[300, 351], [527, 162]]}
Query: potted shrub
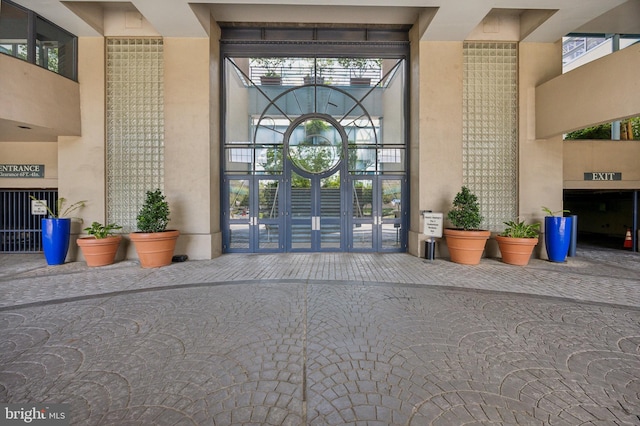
{"points": [[557, 234], [358, 67], [466, 241], [272, 67], [100, 248], [517, 241], [153, 243], [317, 69], [56, 230]]}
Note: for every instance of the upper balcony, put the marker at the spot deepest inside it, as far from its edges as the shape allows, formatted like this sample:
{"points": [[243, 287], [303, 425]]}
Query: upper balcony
{"points": [[360, 72]]}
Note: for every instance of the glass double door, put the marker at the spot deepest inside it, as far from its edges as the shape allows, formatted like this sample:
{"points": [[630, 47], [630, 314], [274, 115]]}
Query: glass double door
{"points": [[315, 216], [296, 213], [377, 218]]}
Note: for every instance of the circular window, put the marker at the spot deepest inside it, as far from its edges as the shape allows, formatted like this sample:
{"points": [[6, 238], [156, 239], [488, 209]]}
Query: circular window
{"points": [[315, 144]]}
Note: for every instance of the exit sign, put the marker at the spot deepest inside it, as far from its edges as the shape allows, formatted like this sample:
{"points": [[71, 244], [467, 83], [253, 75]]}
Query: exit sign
{"points": [[602, 176]]}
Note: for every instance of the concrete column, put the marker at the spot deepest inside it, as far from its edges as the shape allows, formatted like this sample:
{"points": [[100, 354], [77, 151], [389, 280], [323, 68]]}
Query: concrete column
{"points": [[436, 132], [81, 159], [187, 141], [540, 160]]}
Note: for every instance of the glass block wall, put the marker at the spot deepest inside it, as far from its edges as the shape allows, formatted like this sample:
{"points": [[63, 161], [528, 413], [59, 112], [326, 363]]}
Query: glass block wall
{"points": [[489, 136], [135, 125]]}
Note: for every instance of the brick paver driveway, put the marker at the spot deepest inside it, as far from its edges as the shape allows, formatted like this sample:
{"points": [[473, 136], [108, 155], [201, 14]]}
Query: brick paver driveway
{"points": [[215, 342]]}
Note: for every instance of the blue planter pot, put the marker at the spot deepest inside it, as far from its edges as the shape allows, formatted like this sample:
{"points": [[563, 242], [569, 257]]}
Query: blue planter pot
{"points": [[55, 239], [557, 237]]}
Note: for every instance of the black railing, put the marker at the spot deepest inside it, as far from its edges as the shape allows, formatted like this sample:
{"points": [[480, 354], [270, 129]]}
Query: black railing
{"points": [[298, 76], [20, 230]]}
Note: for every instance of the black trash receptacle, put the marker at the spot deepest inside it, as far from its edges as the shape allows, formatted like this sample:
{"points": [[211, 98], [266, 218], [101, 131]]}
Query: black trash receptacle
{"points": [[430, 249]]}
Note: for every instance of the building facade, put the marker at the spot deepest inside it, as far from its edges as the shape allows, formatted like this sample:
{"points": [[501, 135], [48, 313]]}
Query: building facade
{"points": [[172, 97]]}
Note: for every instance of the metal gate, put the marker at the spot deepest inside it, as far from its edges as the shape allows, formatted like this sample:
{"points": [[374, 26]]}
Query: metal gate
{"points": [[21, 231]]}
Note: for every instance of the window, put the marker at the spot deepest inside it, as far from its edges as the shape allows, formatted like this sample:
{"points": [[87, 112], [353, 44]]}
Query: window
{"points": [[28, 36], [580, 49]]}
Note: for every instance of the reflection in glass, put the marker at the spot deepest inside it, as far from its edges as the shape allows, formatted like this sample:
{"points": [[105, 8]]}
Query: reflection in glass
{"points": [[269, 199], [362, 160], [54, 48], [238, 199], [330, 235], [268, 213], [362, 198], [269, 236], [239, 236], [312, 137], [362, 235], [391, 198], [14, 41], [300, 196], [269, 160], [301, 236], [27, 36], [390, 235], [315, 146], [330, 196]]}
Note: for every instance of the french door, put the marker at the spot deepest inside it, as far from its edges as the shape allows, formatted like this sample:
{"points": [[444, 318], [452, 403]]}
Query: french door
{"points": [[376, 214], [309, 214], [314, 164], [254, 220], [315, 212]]}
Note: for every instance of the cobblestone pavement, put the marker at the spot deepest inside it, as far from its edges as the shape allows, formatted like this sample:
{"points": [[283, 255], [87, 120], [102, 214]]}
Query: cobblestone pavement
{"points": [[322, 339]]}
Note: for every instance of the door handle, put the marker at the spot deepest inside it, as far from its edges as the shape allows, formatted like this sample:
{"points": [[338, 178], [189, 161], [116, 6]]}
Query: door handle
{"points": [[315, 223]]}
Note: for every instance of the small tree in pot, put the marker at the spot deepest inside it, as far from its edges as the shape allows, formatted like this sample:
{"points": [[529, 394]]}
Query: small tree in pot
{"points": [[154, 214], [154, 244], [466, 241], [465, 213]]}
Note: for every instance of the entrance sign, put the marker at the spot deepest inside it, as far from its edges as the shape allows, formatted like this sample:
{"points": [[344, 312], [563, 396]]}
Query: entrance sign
{"points": [[432, 224], [22, 170]]}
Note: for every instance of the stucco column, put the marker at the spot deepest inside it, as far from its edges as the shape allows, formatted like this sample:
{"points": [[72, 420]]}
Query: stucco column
{"points": [[436, 132], [188, 172], [81, 160], [540, 160]]}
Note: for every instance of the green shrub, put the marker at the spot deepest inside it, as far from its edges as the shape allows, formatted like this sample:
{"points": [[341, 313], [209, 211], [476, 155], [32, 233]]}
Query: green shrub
{"points": [[154, 214], [99, 230], [521, 230], [465, 213]]}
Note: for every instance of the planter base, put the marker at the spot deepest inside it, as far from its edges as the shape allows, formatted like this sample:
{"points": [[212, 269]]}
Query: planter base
{"points": [[101, 251], [466, 247], [516, 251], [154, 249]]}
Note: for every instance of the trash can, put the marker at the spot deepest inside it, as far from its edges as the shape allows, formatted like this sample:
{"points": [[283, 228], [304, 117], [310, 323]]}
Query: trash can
{"points": [[430, 249]]}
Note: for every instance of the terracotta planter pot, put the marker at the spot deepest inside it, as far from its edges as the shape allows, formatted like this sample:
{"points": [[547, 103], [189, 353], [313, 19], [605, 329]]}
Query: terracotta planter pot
{"points": [[101, 251], [154, 249], [271, 80], [360, 81], [466, 247], [516, 251], [312, 80]]}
